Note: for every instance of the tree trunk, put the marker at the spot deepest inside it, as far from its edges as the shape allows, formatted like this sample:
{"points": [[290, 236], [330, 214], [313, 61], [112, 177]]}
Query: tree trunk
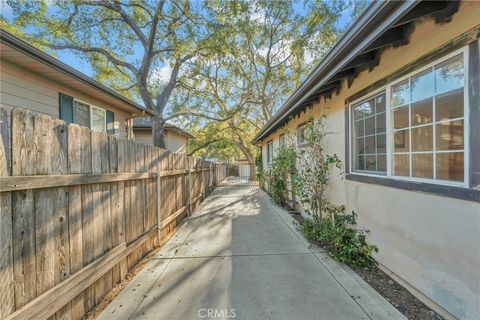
{"points": [[158, 133]]}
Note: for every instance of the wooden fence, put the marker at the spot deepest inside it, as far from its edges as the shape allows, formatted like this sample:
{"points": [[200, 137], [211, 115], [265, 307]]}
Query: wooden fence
{"points": [[79, 208]]}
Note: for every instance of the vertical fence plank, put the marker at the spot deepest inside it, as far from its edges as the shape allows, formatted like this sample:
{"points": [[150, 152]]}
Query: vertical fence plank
{"points": [[58, 156], [115, 203], [107, 214], [43, 206], [75, 212], [98, 209], [122, 204], [23, 162], [7, 298], [87, 213]]}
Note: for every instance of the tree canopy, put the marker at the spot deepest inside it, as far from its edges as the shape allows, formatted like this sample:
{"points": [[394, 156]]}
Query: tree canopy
{"points": [[222, 67]]}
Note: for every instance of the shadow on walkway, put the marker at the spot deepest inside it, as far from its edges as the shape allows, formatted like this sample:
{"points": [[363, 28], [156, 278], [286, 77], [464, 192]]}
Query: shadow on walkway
{"points": [[240, 257]]}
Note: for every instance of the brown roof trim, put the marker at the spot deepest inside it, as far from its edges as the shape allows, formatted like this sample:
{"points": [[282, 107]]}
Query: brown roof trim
{"points": [[20, 45]]}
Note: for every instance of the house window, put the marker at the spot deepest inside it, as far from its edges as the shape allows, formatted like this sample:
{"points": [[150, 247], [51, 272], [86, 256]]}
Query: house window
{"points": [[81, 113], [98, 119], [301, 135], [269, 152], [427, 111], [369, 135], [415, 128], [281, 140]]}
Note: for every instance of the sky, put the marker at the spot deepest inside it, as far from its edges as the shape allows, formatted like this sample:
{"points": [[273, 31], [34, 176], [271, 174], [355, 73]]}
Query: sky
{"points": [[163, 73]]}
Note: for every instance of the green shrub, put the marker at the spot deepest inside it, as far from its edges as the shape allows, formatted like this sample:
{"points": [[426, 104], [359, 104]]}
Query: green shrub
{"points": [[260, 172], [337, 233], [282, 170]]}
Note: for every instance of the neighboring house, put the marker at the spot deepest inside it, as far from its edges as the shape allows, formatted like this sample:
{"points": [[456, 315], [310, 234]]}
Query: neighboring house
{"points": [[401, 93], [34, 80], [176, 139]]}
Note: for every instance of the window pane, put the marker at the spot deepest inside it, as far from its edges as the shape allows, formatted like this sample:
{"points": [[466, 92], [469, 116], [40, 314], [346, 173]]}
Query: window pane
{"points": [[400, 94], [364, 109], [370, 163], [422, 112], [422, 165], [449, 105], [422, 86], [450, 135], [401, 139], [81, 114], [449, 74], [360, 163], [450, 166], [381, 143], [369, 125], [382, 163], [381, 122], [359, 128], [380, 104], [370, 144], [359, 147], [98, 119], [422, 138], [401, 165], [400, 118]]}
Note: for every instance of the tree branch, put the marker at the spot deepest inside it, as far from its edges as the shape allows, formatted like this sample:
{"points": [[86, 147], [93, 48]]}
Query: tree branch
{"points": [[101, 51]]}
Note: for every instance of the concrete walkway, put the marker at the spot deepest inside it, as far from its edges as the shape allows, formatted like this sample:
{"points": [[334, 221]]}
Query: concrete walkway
{"points": [[240, 257]]}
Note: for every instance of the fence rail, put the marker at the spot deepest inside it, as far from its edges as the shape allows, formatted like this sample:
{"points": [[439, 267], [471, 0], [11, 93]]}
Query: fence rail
{"points": [[79, 208]]}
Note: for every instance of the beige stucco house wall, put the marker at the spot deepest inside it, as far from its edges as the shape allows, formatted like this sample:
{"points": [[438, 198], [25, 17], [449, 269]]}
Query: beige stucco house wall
{"points": [[429, 243]]}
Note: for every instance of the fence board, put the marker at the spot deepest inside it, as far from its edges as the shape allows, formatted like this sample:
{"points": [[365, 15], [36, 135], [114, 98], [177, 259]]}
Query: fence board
{"points": [[7, 298], [23, 163], [59, 162], [87, 214], [75, 213], [78, 209]]}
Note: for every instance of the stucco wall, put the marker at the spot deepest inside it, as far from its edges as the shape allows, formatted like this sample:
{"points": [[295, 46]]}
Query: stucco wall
{"points": [[20, 87], [430, 242]]}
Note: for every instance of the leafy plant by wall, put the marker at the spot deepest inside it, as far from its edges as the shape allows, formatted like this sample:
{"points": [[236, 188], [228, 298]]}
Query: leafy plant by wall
{"points": [[260, 171], [337, 234], [282, 171]]}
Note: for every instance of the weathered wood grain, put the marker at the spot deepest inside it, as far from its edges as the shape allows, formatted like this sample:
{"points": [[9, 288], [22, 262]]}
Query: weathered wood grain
{"points": [[7, 298], [23, 163], [75, 213]]}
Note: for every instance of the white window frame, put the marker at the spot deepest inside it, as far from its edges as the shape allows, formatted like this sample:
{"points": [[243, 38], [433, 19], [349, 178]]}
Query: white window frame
{"points": [[390, 136], [269, 152], [90, 113], [302, 126]]}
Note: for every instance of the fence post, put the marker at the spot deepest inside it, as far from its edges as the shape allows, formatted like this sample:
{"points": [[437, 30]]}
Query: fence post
{"points": [[203, 181], [189, 185], [210, 178], [159, 232]]}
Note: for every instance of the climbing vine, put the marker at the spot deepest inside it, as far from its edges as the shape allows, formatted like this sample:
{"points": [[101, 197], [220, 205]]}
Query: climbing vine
{"points": [[282, 173], [305, 171]]}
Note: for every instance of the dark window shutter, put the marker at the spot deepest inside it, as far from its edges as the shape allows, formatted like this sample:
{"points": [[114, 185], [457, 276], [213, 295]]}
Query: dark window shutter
{"points": [[110, 122], [66, 108]]}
